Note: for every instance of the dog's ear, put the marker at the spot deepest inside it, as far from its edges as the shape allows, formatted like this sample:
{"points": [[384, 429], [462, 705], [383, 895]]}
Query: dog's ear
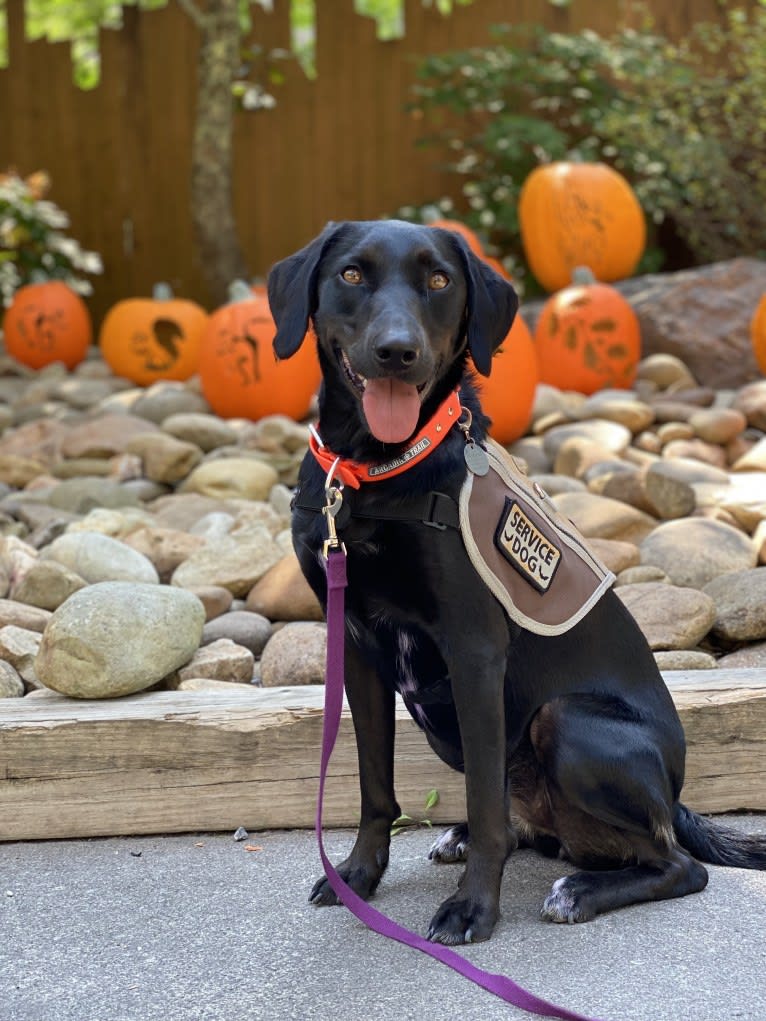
{"points": [[491, 307], [292, 287]]}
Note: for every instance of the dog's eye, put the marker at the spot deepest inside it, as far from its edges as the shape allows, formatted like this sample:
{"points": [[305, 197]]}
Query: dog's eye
{"points": [[352, 275], [438, 281]]}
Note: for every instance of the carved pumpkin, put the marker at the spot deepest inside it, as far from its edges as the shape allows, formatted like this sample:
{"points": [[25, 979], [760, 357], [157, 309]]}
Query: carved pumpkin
{"points": [[240, 376], [588, 338], [47, 322], [147, 339], [758, 334], [580, 214], [508, 393]]}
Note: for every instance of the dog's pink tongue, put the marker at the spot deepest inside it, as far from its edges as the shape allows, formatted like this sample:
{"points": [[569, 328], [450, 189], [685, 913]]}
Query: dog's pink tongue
{"points": [[392, 409]]}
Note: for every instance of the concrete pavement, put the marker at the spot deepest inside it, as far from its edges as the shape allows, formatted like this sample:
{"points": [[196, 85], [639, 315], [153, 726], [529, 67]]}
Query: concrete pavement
{"points": [[201, 928]]}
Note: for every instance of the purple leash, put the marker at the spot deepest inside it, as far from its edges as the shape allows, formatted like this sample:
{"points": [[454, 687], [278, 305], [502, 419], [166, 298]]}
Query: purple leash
{"points": [[500, 985]]}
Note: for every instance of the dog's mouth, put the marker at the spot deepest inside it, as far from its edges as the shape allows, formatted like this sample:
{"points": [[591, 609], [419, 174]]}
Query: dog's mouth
{"points": [[391, 407]]}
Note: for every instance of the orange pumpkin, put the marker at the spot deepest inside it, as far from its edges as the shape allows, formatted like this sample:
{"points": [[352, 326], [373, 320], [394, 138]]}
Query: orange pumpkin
{"points": [[469, 236], [240, 376], [148, 339], [508, 393], [588, 338], [758, 334], [580, 214], [47, 322]]}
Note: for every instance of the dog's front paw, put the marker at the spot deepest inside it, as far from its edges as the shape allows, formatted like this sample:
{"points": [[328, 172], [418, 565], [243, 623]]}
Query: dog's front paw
{"points": [[568, 902], [360, 879], [462, 920]]}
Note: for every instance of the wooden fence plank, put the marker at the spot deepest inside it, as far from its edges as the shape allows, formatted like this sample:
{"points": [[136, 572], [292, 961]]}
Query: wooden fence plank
{"points": [[339, 147]]}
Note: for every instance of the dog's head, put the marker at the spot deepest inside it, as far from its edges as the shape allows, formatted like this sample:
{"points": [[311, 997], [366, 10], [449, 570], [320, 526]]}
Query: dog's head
{"points": [[395, 306]]}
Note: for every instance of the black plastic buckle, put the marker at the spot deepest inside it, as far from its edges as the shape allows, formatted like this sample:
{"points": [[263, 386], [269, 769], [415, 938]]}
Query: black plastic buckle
{"points": [[431, 513]]}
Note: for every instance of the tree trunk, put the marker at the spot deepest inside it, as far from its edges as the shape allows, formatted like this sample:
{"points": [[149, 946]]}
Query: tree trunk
{"points": [[211, 184]]}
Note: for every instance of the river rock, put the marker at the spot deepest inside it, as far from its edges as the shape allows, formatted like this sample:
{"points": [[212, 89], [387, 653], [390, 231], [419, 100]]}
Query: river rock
{"points": [[250, 630], [19, 471], [616, 556], [220, 660], [39, 439], [11, 685], [97, 557], [31, 618], [245, 478], [697, 450], [234, 562], [216, 600], [166, 548], [693, 551], [80, 495], [670, 616], [718, 425], [295, 654], [529, 450], [184, 510], [664, 370], [161, 400], [284, 594], [611, 436], [47, 585], [685, 659], [204, 431], [103, 436], [749, 656], [740, 600], [18, 646], [640, 573], [620, 406], [116, 638], [607, 519], [753, 459], [751, 401], [164, 458], [702, 316]]}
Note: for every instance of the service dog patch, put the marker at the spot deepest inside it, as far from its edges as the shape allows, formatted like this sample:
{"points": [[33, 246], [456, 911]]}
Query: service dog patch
{"points": [[532, 558], [534, 555]]}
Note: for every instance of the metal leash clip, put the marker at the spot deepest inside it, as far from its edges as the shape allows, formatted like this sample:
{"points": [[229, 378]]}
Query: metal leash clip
{"points": [[334, 496]]}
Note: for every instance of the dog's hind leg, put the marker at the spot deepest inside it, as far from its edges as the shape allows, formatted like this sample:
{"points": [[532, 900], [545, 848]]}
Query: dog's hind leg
{"points": [[372, 707], [611, 796]]}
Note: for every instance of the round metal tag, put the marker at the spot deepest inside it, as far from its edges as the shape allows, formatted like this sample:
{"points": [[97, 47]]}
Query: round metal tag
{"points": [[476, 459]]}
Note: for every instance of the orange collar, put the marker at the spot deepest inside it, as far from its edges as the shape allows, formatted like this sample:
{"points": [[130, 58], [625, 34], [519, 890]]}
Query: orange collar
{"points": [[353, 473]]}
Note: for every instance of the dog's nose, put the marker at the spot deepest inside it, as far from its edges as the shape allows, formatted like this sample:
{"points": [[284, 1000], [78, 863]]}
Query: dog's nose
{"points": [[396, 352]]}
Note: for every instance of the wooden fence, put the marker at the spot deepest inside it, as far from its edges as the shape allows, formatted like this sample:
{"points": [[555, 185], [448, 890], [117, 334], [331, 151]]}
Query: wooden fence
{"points": [[337, 147]]}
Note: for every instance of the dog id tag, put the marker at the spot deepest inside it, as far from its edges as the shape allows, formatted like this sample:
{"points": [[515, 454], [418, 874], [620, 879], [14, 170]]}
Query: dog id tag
{"points": [[475, 458]]}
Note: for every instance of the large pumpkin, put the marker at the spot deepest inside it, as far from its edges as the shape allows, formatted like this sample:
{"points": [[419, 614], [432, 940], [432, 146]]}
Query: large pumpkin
{"points": [[47, 322], [588, 338], [148, 339], [508, 393], [469, 236], [580, 214], [240, 376], [758, 334]]}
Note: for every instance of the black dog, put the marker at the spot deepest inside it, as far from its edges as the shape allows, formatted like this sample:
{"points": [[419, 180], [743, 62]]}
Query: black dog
{"points": [[569, 743]]}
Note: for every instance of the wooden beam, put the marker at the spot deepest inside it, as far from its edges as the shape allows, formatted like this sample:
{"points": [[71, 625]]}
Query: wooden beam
{"points": [[169, 762]]}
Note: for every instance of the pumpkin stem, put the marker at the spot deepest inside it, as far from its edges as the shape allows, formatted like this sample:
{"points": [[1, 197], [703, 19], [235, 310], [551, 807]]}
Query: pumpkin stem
{"points": [[240, 291], [162, 292], [583, 275]]}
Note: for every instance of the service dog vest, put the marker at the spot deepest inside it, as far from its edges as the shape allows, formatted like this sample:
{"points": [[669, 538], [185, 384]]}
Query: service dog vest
{"points": [[532, 558]]}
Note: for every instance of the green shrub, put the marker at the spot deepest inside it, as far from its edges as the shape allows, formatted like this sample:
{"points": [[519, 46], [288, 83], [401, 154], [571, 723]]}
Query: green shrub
{"points": [[33, 247], [686, 124]]}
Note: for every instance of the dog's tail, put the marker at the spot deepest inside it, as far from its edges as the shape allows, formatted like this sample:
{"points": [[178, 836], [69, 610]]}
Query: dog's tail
{"points": [[711, 842]]}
